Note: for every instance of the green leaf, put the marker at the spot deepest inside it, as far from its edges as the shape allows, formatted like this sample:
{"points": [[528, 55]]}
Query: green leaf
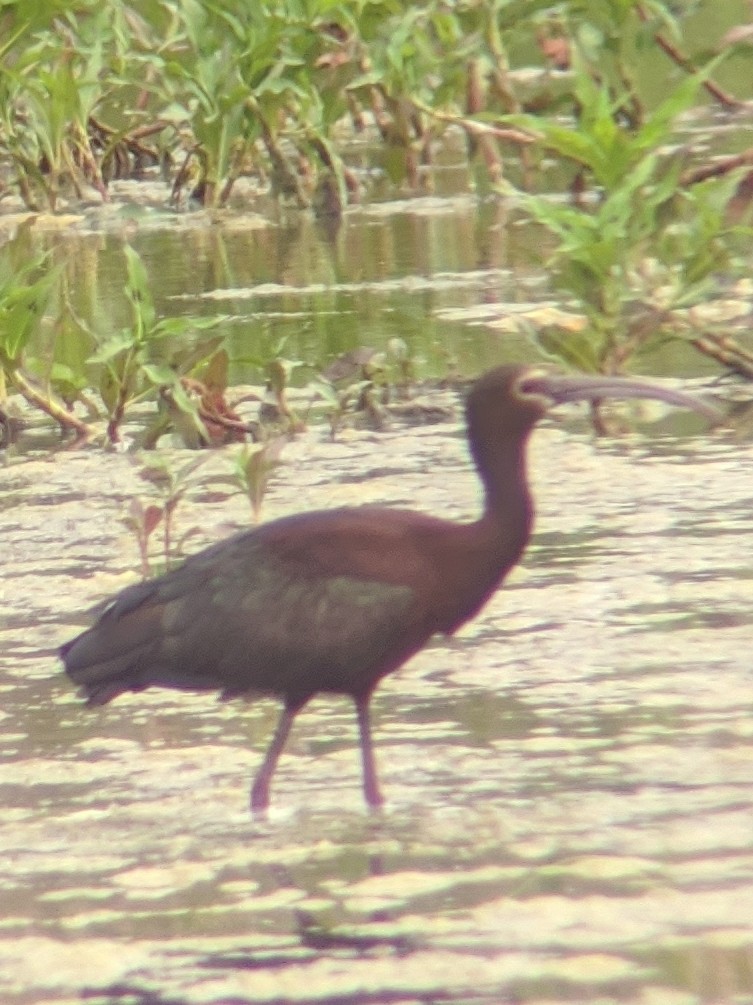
{"points": [[161, 375], [113, 347], [138, 291]]}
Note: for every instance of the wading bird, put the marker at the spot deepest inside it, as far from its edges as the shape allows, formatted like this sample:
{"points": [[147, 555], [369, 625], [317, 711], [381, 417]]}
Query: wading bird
{"points": [[335, 600]]}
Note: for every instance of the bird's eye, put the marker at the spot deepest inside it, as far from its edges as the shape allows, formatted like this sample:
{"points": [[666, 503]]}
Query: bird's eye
{"points": [[533, 384]]}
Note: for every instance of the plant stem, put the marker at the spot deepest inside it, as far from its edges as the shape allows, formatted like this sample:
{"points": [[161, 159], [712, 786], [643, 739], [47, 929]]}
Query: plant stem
{"points": [[50, 406], [678, 57]]}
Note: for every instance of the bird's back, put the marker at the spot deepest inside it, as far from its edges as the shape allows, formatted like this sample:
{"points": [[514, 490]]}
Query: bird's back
{"points": [[326, 601]]}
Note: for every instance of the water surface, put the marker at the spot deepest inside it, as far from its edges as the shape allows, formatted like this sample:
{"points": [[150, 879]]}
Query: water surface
{"points": [[569, 779]]}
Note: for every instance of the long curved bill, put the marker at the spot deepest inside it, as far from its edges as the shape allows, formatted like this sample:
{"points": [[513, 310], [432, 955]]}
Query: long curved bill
{"points": [[560, 388]]}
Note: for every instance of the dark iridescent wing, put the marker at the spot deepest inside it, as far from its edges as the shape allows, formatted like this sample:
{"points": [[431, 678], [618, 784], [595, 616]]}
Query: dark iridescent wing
{"points": [[240, 617]]}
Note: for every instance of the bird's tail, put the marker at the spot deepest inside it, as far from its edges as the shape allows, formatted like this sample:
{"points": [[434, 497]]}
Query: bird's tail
{"points": [[100, 671], [113, 655]]}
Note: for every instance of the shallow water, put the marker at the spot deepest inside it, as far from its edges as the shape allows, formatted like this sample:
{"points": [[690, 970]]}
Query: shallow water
{"points": [[570, 779]]}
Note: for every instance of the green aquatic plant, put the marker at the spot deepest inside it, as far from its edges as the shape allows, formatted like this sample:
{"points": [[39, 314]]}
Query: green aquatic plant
{"points": [[131, 365], [227, 88], [252, 468], [642, 244], [49, 91], [144, 517], [363, 382], [26, 287], [239, 76]]}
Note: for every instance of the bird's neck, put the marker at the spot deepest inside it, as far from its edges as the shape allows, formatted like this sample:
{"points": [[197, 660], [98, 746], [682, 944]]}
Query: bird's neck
{"points": [[508, 508], [484, 551]]}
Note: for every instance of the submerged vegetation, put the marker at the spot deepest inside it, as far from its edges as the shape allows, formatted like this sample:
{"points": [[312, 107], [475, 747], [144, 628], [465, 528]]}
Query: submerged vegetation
{"points": [[259, 105]]}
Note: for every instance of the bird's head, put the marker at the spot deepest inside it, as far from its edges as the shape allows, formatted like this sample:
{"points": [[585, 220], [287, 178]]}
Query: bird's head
{"points": [[506, 403], [514, 398]]}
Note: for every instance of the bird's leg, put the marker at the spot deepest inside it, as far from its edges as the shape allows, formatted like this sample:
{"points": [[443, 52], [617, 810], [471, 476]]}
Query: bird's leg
{"points": [[370, 784], [260, 788]]}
